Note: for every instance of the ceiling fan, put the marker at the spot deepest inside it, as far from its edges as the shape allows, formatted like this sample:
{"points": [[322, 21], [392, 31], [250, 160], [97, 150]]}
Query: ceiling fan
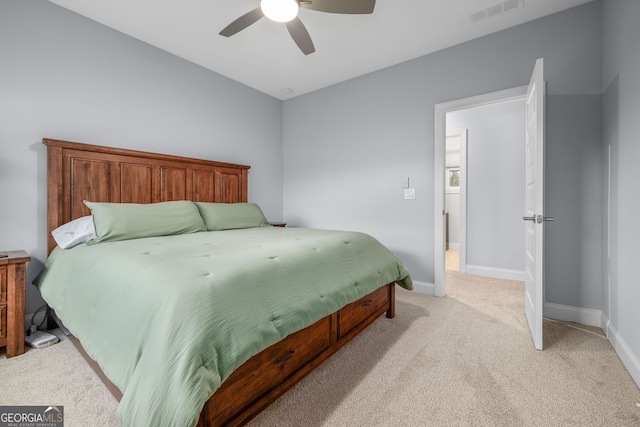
{"points": [[287, 11]]}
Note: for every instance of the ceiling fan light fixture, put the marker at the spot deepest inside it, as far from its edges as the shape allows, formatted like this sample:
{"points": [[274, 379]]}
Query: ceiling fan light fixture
{"points": [[280, 10]]}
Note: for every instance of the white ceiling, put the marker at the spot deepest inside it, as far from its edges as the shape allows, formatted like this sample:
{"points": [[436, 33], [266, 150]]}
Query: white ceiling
{"points": [[264, 57]]}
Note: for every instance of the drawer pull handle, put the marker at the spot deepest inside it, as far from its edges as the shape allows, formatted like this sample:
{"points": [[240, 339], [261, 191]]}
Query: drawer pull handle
{"points": [[368, 303], [284, 358]]}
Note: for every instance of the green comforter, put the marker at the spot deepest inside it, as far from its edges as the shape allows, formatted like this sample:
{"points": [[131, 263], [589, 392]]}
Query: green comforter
{"points": [[169, 318]]}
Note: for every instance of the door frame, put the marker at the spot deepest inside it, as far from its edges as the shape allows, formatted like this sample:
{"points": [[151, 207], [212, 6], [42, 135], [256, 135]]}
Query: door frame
{"points": [[441, 110]]}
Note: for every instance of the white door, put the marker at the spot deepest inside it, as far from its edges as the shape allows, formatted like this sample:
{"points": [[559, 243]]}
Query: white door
{"points": [[534, 204]]}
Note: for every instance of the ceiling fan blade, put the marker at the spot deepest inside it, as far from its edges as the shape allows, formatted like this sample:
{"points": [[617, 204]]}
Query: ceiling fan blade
{"points": [[301, 36], [340, 6], [243, 22]]}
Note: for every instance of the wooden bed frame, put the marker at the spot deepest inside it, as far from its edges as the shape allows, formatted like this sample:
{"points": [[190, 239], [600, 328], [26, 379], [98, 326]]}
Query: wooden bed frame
{"points": [[78, 172]]}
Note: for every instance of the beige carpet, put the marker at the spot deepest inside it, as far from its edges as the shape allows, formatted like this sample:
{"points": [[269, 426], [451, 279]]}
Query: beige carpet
{"points": [[463, 360], [57, 375]]}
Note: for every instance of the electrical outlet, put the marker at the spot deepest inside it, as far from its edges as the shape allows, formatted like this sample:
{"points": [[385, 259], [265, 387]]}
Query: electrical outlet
{"points": [[409, 193]]}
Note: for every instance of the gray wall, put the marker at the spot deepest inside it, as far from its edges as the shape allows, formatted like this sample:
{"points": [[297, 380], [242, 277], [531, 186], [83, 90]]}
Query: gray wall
{"points": [[621, 110], [573, 243], [347, 147], [495, 191], [66, 77]]}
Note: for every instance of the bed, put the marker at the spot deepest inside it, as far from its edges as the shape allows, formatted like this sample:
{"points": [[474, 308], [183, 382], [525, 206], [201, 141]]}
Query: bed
{"points": [[164, 327]]}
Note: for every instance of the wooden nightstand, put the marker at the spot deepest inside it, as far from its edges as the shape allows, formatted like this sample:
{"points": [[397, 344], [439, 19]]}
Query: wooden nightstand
{"points": [[278, 224], [12, 295]]}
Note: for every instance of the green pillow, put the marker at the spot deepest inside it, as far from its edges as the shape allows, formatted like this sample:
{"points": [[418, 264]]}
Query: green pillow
{"points": [[123, 221], [226, 216]]}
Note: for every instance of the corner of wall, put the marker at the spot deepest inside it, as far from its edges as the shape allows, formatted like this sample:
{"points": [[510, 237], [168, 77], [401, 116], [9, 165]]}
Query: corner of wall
{"points": [[628, 359], [424, 288]]}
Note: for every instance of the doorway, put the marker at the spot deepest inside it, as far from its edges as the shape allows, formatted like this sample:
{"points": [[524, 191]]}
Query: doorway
{"points": [[441, 128], [455, 198]]}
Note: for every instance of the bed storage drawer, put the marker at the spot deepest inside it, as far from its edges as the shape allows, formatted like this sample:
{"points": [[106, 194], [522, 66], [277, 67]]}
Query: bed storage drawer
{"points": [[358, 311], [268, 369]]}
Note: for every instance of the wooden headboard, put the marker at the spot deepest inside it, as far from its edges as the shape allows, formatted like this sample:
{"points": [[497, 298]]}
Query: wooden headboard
{"points": [[78, 172]]}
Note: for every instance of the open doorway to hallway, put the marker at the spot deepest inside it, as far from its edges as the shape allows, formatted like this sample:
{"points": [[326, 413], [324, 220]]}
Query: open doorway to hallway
{"points": [[491, 186], [484, 200], [455, 181], [485, 188], [452, 259]]}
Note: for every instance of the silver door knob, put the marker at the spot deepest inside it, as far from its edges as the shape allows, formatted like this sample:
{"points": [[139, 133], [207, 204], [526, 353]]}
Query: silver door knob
{"points": [[538, 218]]}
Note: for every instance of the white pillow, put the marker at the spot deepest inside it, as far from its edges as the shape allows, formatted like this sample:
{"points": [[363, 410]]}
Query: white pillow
{"points": [[73, 233]]}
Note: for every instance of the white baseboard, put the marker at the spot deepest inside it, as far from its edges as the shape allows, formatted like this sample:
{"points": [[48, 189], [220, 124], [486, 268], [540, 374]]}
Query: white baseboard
{"points": [[454, 246], [424, 288], [591, 317], [604, 322], [567, 313], [629, 360], [496, 273]]}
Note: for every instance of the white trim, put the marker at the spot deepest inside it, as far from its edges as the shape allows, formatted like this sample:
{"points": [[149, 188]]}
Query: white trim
{"points": [[568, 313], [454, 246], [608, 266], [496, 273], [597, 318], [604, 322], [441, 111], [629, 360], [424, 288], [462, 256], [439, 202]]}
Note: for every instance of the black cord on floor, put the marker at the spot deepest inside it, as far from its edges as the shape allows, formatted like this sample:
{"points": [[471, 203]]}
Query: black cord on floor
{"points": [[47, 313]]}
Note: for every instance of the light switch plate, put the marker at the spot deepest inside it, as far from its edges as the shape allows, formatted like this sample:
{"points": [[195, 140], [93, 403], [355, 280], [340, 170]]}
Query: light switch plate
{"points": [[409, 193]]}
